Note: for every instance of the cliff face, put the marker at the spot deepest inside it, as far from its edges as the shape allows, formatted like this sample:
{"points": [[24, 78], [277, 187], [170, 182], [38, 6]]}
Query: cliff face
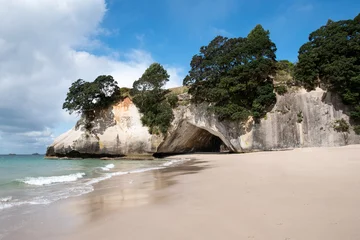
{"points": [[300, 119], [118, 131]]}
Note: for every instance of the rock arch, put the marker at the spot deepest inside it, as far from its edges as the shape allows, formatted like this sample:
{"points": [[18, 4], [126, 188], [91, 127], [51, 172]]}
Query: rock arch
{"points": [[189, 138]]}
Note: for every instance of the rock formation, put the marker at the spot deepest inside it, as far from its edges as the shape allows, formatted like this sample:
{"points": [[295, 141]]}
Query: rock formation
{"points": [[299, 119]]}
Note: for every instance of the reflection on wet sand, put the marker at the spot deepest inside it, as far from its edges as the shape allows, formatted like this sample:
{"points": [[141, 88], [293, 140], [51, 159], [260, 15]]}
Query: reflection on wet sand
{"points": [[127, 191], [110, 197]]}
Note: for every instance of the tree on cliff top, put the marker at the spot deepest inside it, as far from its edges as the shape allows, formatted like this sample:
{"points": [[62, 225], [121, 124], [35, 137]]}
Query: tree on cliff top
{"points": [[331, 59], [150, 98], [87, 97], [233, 75]]}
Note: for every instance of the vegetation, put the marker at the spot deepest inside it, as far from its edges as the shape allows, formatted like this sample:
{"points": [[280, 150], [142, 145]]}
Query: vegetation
{"points": [[286, 66], [125, 92], [357, 129], [331, 59], [342, 127], [173, 100], [284, 77], [300, 117], [88, 97], [151, 100], [281, 89], [237, 77], [233, 75]]}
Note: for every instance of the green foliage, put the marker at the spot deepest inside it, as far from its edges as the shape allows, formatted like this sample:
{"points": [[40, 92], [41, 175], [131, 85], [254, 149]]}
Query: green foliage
{"points": [[285, 65], [281, 89], [88, 97], [355, 113], [125, 92], [233, 74], [151, 100], [341, 126], [173, 100], [332, 58], [357, 129], [300, 117]]}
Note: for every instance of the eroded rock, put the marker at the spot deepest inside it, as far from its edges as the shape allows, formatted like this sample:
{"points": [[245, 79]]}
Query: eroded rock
{"points": [[299, 119]]}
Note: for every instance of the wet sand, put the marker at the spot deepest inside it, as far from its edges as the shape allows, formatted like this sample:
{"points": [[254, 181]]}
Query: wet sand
{"points": [[311, 193]]}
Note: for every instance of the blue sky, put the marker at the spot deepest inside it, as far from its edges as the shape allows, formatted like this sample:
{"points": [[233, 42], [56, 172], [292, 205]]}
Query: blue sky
{"points": [[46, 45], [174, 30]]}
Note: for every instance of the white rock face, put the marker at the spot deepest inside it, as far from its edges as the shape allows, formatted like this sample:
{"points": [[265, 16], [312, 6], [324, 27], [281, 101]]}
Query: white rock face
{"points": [[117, 131], [300, 119]]}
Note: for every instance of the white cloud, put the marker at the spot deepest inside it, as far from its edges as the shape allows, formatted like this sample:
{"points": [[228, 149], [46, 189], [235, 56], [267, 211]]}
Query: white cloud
{"points": [[176, 76], [40, 42]]}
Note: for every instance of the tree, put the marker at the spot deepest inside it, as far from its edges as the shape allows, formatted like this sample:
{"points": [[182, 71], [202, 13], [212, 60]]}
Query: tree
{"points": [[331, 59], [150, 98], [233, 75], [88, 97]]}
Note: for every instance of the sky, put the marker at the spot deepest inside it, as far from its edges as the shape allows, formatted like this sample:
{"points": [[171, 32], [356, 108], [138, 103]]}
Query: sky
{"points": [[45, 45]]}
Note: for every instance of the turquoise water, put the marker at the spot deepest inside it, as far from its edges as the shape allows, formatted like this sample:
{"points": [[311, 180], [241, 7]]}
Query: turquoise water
{"points": [[33, 180]]}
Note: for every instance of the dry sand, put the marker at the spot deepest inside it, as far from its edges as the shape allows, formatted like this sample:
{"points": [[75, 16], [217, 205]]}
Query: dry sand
{"points": [[306, 194]]}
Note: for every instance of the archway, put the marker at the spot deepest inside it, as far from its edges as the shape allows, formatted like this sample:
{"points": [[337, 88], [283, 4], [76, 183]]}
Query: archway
{"points": [[188, 138]]}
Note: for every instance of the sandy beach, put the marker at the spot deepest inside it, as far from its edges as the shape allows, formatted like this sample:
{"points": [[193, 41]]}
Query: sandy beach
{"points": [[311, 193]]}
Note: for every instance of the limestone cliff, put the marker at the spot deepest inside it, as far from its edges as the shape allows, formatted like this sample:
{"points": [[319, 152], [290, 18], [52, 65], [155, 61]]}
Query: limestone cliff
{"points": [[117, 131], [299, 119]]}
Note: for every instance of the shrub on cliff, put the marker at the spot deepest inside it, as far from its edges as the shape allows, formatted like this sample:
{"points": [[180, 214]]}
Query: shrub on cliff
{"points": [[151, 101], [357, 129], [331, 59], [88, 97], [341, 126], [233, 75]]}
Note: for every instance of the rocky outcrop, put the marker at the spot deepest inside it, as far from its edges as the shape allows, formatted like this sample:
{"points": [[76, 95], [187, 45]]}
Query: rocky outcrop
{"points": [[299, 119], [116, 132]]}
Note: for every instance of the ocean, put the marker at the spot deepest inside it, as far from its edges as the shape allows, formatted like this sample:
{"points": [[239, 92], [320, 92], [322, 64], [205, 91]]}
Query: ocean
{"points": [[27, 180]]}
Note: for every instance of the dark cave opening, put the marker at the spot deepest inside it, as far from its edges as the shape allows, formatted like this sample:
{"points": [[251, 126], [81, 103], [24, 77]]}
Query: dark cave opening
{"points": [[191, 139], [207, 142]]}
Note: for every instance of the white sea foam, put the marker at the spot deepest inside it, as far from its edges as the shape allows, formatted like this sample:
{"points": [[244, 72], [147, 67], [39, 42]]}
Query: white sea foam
{"points": [[5, 199], [40, 181], [7, 205], [140, 170], [78, 188], [173, 162], [49, 198], [108, 167]]}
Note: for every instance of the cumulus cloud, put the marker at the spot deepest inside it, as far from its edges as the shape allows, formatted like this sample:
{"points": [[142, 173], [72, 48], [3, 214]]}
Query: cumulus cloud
{"points": [[43, 48]]}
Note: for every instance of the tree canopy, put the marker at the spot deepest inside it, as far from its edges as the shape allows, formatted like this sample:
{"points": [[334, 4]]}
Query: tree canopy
{"points": [[233, 75], [331, 59], [87, 97], [150, 98]]}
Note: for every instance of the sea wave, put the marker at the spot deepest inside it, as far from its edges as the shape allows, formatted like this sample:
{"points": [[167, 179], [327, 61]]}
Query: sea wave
{"points": [[108, 167], [5, 199], [140, 170], [49, 198], [77, 187], [40, 181], [173, 162]]}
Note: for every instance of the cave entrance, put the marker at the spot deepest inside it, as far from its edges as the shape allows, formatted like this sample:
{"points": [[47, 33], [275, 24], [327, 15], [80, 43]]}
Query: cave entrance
{"points": [[204, 141], [188, 138]]}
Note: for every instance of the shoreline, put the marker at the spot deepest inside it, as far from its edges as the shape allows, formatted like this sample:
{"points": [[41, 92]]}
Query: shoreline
{"points": [[308, 193]]}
